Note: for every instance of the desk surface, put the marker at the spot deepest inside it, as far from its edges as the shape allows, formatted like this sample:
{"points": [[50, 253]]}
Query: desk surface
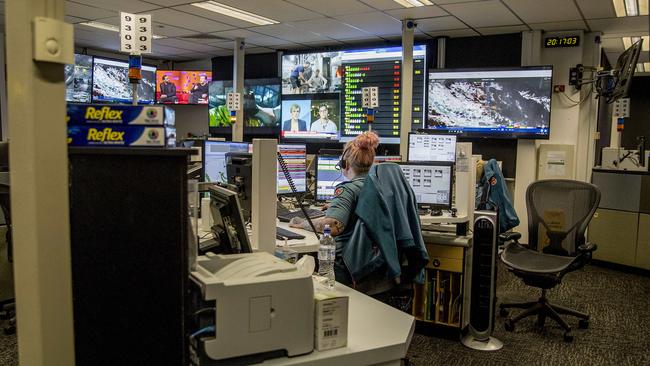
{"points": [[307, 245], [377, 334]]}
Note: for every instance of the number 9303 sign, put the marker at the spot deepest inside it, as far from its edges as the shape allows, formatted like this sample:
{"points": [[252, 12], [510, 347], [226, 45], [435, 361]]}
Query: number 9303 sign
{"points": [[135, 33]]}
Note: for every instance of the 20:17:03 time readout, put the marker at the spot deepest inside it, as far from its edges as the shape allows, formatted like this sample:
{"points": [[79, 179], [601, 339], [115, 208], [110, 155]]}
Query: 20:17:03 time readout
{"points": [[564, 41]]}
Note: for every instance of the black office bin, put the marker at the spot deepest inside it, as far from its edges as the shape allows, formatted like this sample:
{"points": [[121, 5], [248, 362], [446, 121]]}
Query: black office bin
{"points": [[129, 240]]}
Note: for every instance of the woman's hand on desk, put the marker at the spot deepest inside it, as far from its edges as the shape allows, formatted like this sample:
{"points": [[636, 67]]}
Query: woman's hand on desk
{"points": [[297, 222]]}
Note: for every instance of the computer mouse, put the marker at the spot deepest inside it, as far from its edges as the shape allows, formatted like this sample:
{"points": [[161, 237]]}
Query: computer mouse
{"points": [[436, 212]]}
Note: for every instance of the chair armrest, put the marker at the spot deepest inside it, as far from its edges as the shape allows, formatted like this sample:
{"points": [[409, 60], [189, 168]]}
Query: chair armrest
{"points": [[587, 248], [506, 237]]}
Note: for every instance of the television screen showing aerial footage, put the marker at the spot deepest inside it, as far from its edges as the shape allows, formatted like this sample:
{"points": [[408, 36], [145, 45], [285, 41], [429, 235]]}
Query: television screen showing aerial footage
{"points": [[514, 103], [78, 79], [111, 82]]}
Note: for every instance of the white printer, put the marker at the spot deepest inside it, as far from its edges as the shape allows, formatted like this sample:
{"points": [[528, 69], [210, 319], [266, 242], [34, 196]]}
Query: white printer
{"points": [[263, 304]]}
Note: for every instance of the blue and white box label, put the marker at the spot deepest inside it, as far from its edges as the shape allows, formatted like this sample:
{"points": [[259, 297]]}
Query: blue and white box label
{"points": [[116, 135], [80, 114]]}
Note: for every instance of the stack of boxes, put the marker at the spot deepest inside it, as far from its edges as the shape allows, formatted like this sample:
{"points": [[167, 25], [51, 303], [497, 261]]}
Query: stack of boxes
{"points": [[120, 126]]}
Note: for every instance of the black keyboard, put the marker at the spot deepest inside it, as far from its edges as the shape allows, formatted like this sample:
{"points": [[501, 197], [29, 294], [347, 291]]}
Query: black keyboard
{"points": [[281, 234], [285, 215]]}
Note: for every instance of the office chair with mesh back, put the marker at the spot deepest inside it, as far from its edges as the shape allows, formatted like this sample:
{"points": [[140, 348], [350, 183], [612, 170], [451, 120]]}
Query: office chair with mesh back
{"points": [[560, 209]]}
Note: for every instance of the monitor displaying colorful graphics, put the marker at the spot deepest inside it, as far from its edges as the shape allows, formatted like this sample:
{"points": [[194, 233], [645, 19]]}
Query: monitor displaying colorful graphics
{"points": [[295, 156], [79, 79], [311, 117], [327, 176], [214, 159], [111, 82], [348, 72], [182, 87], [261, 103], [511, 103]]}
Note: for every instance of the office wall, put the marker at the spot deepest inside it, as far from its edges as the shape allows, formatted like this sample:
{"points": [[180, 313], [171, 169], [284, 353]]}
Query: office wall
{"points": [[191, 119], [570, 123], [638, 124]]}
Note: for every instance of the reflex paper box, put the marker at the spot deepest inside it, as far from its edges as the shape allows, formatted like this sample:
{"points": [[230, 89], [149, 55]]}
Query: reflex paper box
{"points": [[116, 135], [81, 114]]}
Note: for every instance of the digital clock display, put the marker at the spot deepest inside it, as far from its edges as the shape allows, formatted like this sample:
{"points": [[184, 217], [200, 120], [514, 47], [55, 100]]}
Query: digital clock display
{"points": [[561, 41]]}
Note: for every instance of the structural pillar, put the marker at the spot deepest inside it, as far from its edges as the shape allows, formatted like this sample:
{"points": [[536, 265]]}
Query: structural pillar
{"points": [[39, 191], [526, 165], [406, 111], [238, 87]]}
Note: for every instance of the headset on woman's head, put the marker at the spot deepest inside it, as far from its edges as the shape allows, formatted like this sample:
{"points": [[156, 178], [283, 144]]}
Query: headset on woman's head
{"points": [[342, 164]]}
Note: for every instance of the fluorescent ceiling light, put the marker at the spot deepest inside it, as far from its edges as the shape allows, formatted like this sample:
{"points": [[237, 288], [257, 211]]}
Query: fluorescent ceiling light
{"points": [[630, 8], [112, 28], [412, 3], [235, 13]]}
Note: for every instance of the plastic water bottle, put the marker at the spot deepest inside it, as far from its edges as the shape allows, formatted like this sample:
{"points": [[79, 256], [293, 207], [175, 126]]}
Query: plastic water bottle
{"points": [[326, 255]]}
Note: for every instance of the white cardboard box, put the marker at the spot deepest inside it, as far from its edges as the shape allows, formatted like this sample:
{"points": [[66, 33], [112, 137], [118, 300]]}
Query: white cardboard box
{"points": [[331, 320]]}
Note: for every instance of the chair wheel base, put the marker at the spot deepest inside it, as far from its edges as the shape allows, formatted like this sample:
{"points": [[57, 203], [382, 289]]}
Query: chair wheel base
{"points": [[568, 337], [509, 325], [583, 323]]}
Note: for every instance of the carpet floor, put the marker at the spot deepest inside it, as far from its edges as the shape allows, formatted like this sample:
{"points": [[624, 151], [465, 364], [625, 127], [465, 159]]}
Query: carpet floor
{"points": [[618, 303], [619, 307]]}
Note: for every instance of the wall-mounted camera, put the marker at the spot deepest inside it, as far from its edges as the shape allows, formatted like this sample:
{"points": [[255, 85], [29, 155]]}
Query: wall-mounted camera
{"points": [[410, 24]]}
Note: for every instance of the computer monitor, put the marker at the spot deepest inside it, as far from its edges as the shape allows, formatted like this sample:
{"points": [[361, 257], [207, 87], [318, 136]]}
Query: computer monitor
{"points": [[431, 182], [387, 158], [311, 117], [214, 159], [327, 176], [432, 147], [228, 228], [295, 157]]}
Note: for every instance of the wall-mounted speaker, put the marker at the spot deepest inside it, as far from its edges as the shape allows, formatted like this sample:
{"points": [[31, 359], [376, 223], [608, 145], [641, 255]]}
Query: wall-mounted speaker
{"points": [[482, 294]]}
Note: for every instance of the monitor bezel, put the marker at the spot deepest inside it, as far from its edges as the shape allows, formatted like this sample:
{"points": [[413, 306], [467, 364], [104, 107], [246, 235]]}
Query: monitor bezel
{"points": [[316, 199], [408, 151], [482, 135], [451, 181]]}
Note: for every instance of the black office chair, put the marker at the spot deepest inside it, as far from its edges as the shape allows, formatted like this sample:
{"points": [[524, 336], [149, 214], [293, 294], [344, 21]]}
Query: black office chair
{"points": [[562, 210]]}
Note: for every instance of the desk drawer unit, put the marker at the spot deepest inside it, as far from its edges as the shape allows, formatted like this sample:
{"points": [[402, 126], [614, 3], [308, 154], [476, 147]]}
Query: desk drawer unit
{"points": [[445, 258]]}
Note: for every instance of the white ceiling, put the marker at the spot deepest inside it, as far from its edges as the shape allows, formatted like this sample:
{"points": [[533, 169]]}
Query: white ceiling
{"points": [[318, 23]]}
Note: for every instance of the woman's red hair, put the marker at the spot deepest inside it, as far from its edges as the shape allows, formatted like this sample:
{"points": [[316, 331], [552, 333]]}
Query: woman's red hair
{"points": [[360, 152]]}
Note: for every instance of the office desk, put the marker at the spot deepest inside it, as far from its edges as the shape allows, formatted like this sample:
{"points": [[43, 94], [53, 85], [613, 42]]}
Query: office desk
{"points": [[307, 245], [377, 335]]}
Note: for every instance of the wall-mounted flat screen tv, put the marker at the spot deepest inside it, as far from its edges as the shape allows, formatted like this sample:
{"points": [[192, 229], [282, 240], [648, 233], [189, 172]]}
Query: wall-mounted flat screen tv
{"points": [[111, 82], [182, 87], [503, 103], [79, 79]]}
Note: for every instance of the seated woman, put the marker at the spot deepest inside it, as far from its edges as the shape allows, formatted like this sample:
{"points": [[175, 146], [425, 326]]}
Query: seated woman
{"points": [[356, 160]]}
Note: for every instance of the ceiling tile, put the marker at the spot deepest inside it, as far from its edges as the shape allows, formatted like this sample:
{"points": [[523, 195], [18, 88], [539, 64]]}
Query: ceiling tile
{"points": [[329, 28], [333, 7], [560, 26], [382, 4], [439, 23], [168, 2], [417, 12], [252, 37], [535, 11], [184, 20], [593, 9], [288, 32], [490, 13], [278, 10], [375, 23], [454, 33], [130, 6], [502, 30], [180, 43], [444, 2], [73, 20], [87, 12], [620, 25]]}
